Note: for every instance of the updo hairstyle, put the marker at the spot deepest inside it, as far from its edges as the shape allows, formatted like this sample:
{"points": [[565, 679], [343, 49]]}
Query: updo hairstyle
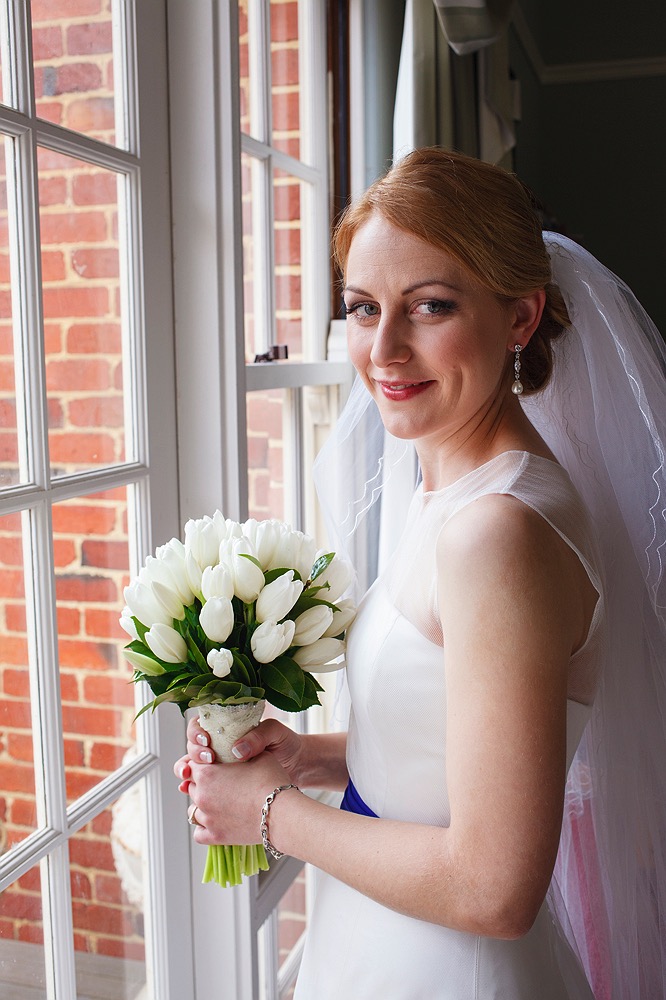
{"points": [[484, 218]]}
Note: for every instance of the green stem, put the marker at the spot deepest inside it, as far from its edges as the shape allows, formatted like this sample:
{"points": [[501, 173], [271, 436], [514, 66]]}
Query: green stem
{"points": [[227, 865]]}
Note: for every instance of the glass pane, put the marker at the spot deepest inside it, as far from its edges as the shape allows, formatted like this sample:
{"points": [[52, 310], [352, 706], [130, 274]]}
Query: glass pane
{"points": [[92, 567], [18, 814], [22, 967], [285, 94], [279, 936], [82, 313], [266, 481], [106, 861], [255, 343], [73, 60], [13, 464], [288, 269]]}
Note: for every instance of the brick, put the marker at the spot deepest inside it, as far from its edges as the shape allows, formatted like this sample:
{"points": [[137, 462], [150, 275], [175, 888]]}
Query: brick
{"points": [[11, 550], [287, 246], [286, 112], [6, 341], [53, 265], [284, 22], [16, 683], [31, 881], [81, 885], [83, 519], [75, 375], [31, 932], [15, 617], [106, 757], [7, 929], [69, 685], [67, 302], [264, 415], [97, 411], [287, 202], [10, 522], [46, 43], [69, 621], [16, 778], [7, 382], [75, 587], [108, 889], [78, 783], [5, 271], [21, 905], [24, 812], [81, 448], [104, 625], [5, 305], [89, 39], [104, 690], [87, 721], [101, 824], [118, 377], [75, 653], [55, 412], [94, 338], [99, 188], [106, 555], [257, 452], [94, 114], [284, 66], [260, 485], [93, 263], [15, 715], [74, 756], [20, 748], [52, 338], [52, 191], [72, 227], [50, 111], [52, 10], [64, 553], [287, 292], [130, 950], [95, 854], [14, 650], [78, 77], [11, 583]]}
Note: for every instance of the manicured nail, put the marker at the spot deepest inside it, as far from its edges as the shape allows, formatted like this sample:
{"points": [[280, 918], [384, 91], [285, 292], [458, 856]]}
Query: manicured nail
{"points": [[240, 750], [202, 740], [206, 756]]}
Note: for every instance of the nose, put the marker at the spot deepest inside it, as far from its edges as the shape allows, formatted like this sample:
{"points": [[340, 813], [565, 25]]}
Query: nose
{"points": [[390, 344]]}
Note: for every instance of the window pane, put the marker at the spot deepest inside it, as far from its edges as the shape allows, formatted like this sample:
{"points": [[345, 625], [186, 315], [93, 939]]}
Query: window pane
{"points": [[22, 968], [18, 814], [72, 43], [288, 269], [266, 480], [9, 438], [106, 858], [257, 338], [285, 94], [82, 313], [279, 936], [92, 567]]}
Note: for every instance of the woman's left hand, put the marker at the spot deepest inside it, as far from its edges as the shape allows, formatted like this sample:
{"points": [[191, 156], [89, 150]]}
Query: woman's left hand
{"points": [[227, 798]]}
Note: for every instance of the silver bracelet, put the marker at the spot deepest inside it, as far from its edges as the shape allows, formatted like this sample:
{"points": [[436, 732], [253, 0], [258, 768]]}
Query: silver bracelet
{"points": [[265, 809]]}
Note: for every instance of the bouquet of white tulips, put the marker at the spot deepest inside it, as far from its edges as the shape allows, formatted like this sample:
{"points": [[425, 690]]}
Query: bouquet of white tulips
{"points": [[237, 615]]}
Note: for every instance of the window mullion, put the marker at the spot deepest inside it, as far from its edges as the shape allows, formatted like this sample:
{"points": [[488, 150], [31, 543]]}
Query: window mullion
{"points": [[21, 85], [293, 456]]}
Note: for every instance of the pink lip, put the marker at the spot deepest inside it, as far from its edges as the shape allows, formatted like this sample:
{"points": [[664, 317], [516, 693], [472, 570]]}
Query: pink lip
{"points": [[399, 391]]}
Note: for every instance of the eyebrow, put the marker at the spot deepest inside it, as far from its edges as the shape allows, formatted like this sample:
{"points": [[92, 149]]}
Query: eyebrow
{"points": [[412, 288]]}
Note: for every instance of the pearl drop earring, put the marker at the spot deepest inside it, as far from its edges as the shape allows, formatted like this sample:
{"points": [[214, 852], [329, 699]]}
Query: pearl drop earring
{"points": [[517, 386]]}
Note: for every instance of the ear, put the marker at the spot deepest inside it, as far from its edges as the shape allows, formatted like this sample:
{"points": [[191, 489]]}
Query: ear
{"points": [[526, 316]]}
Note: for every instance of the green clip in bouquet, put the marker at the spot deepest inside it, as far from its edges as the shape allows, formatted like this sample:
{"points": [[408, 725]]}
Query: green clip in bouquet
{"points": [[237, 615]]}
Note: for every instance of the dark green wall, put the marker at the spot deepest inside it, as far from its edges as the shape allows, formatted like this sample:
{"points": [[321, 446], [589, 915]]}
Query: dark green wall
{"points": [[595, 153]]}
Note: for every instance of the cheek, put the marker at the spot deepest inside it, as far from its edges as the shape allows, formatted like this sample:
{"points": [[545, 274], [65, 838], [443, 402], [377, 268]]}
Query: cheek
{"points": [[358, 349]]}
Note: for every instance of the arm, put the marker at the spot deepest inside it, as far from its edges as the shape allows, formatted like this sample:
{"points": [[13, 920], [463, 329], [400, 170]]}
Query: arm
{"points": [[511, 618]]}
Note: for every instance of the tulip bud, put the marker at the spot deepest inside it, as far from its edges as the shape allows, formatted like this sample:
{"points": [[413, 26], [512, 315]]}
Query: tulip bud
{"points": [[202, 540], [169, 599], [220, 661], [170, 569], [217, 618], [317, 655], [127, 624], [342, 618], [166, 643], [271, 640], [278, 598], [216, 581], [338, 576], [263, 536], [312, 624], [193, 573], [144, 605], [144, 663], [248, 578]]}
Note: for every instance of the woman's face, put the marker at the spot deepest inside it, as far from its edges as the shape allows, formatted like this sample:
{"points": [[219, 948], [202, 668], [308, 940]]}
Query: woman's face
{"points": [[427, 339]]}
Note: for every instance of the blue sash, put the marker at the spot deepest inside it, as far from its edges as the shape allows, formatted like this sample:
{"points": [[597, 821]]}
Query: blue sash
{"points": [[353, 803]]}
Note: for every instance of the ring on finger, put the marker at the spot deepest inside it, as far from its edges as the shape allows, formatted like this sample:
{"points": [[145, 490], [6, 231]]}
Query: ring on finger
{"points": [[191, 817]]}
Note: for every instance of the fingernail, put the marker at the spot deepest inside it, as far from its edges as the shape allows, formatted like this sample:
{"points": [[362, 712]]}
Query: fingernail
{"points": [[206, 756], [240, 750], [184, 772], [202, 740]]}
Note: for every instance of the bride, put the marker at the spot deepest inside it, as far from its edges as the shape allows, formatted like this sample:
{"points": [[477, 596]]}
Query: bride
{"points": [[502, 828]]}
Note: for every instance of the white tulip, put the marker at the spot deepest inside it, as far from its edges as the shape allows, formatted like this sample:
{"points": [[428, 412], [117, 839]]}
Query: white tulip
{"points": [[172, 556], [271, 640], [217, 618], [169, 599], [216, 581], [318, 655], [127, 623], [202, 540], [144, 605], [263, 536], [166, 643], [338, 575], [193, 572], [278, 598], [248, 578], [220, 661], [144, 663], [293, 550], [342, 618], [312, 624]]}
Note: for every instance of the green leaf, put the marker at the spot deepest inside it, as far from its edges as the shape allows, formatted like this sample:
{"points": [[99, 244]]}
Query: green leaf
{"points": [[246, 555], [197, 655], [140, 627], [241, 673], [284, 676], [273, 574], [320, 564], [279, 701], [308, 600]]}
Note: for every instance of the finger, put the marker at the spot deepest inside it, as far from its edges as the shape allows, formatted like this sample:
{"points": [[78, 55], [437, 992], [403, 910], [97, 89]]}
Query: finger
{"points": [[257, 740], [198, 744], [182, 768]]}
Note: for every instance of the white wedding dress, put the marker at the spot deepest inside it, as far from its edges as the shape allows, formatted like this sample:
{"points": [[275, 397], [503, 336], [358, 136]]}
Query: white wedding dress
{"points": [[357, 949]]}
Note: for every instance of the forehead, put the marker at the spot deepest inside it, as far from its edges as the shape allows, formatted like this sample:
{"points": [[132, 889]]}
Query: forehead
{"points": [[380, 250]]}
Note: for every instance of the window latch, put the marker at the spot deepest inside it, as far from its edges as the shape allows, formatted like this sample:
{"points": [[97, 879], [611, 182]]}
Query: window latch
{"points": [[277, 352]]}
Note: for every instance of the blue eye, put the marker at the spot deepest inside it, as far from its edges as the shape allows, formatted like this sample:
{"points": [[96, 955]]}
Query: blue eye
{"points": [[435, 307], [364, 310]]}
